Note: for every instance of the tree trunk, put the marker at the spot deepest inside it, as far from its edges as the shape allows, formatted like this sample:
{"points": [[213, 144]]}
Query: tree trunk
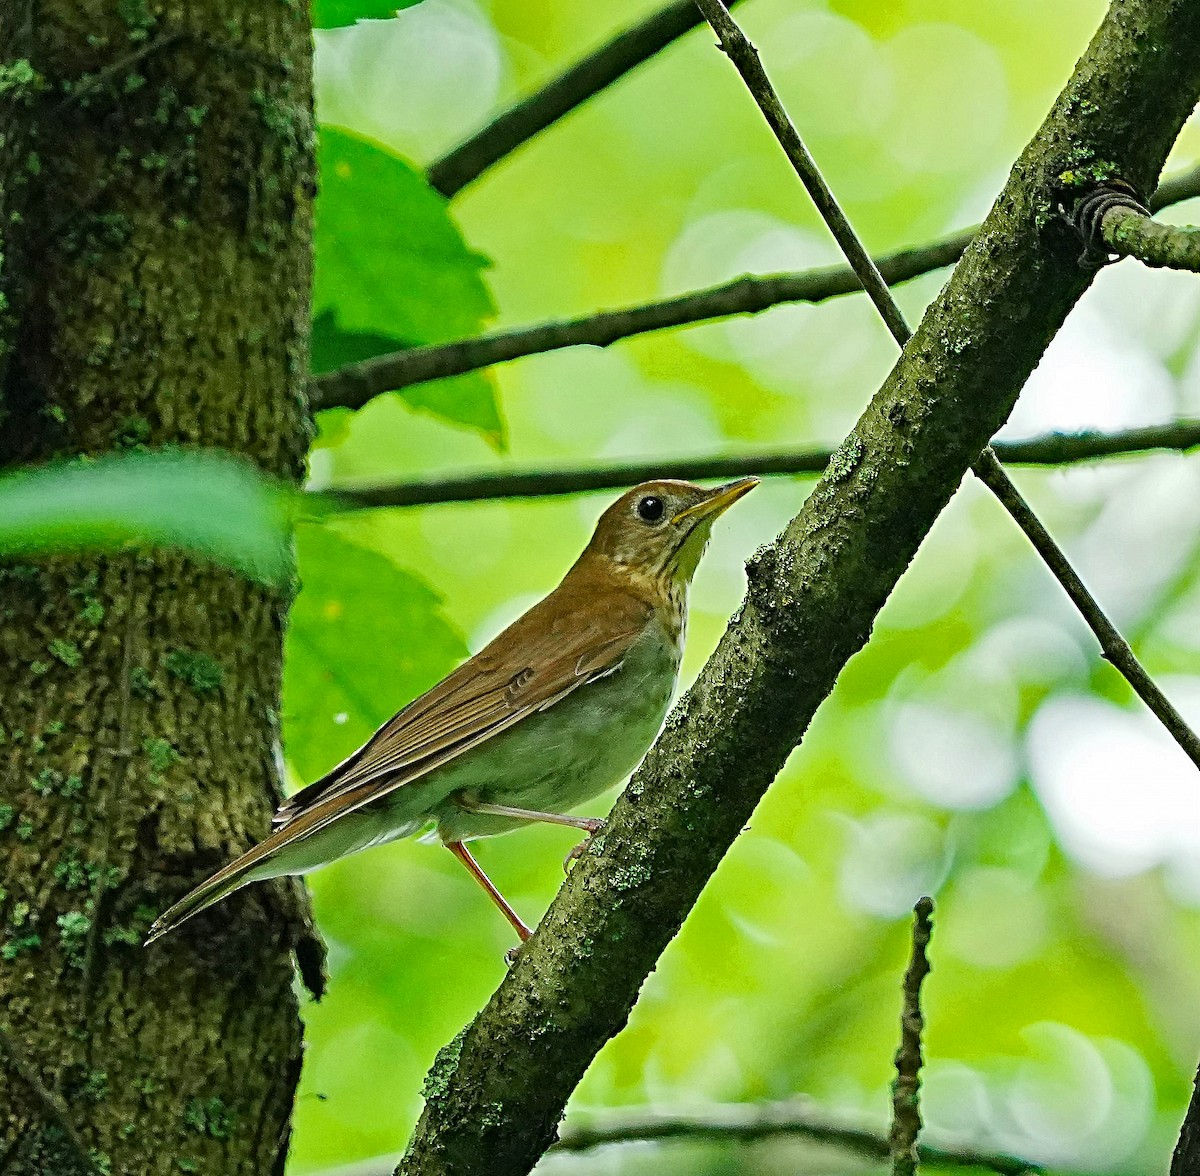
{"points": [[171, 173]]}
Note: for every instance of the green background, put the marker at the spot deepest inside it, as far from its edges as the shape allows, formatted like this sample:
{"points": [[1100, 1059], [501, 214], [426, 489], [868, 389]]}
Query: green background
{"points": [[978, 749]]}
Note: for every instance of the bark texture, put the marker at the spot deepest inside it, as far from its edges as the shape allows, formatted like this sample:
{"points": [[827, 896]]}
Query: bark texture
{"points": [[1186, 1160], [495, 1094], [172, 180]]}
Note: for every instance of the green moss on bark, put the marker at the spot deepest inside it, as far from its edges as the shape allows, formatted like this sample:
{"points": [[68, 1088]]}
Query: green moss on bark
{"points": [[133, 681]]}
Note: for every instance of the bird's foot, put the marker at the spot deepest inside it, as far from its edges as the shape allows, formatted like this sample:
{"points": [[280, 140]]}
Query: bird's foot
{"points": [[510, 956], [593, 827]]}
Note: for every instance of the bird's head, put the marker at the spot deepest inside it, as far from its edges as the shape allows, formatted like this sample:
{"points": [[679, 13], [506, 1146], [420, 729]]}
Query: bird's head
{"points": [[660, 529]]}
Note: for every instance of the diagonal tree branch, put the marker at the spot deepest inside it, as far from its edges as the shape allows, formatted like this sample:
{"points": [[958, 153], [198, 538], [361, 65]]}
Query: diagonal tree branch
{"points": [[745, 59], [572, 88], [988, 469], [495, 1094], [1054, 449], [1186, 1160], [352, 385]]}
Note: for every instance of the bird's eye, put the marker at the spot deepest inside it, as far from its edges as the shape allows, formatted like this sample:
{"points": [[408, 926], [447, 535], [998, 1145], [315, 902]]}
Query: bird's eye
{"points": [[650, 509]]}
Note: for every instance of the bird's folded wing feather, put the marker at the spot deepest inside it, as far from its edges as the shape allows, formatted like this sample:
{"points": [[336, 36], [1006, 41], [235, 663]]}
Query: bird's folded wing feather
{"points": [[552, 650]]}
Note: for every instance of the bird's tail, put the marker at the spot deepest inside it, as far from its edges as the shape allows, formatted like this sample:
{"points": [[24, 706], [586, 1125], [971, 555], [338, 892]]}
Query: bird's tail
{"points": [[223, 883], [259, 861], [300, 844]]}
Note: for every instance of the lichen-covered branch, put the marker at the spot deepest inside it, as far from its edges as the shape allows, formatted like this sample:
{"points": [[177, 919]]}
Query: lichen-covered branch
{"points": [[564, 93], [352, 385], [1054, 449], [1129, 233], [1186, 1160], [495, 1094]]}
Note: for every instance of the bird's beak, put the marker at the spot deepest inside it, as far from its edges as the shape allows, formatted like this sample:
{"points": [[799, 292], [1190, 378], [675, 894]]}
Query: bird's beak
{"points": [[718, 501]]}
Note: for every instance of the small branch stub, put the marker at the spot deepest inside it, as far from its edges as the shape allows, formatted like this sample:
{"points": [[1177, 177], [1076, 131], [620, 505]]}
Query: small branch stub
{"points": [[1114, 222], [906, 1108], [1089, 211], [1129, 233]]}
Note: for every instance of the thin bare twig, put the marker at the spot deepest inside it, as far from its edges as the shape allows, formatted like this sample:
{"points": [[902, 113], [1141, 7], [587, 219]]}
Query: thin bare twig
{"points": [[747, 1122], [745, 59], [906, 1089], [1116, 649], [739, 1123], [1051, 450], [570, 89], [352, 385]]}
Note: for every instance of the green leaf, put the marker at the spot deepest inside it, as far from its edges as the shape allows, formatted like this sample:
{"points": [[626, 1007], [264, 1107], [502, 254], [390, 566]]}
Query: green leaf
{"points": [[393, 271], [468, 400], [365, 637], [388, 256], [204, 502], [333, 14]]}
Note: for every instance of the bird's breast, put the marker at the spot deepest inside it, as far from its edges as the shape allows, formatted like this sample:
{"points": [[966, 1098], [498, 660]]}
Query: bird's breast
{"points": [[583, 745]]}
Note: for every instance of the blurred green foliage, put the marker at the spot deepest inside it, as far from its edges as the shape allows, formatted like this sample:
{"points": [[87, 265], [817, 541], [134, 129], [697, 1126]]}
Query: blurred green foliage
{"points": [[354, 603], [976, 750], [206, 503]]}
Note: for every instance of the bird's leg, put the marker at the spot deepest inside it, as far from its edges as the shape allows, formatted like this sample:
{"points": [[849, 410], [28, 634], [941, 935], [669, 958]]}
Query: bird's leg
{"points": [[590, 825], [461, 852]]}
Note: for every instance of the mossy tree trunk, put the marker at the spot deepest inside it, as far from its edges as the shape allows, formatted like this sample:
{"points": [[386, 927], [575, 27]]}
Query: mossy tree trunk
{"points": [[166, 174]]}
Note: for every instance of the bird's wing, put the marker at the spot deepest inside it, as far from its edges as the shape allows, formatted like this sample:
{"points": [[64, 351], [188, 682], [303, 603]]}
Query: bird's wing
{"points": [[555, 648]]}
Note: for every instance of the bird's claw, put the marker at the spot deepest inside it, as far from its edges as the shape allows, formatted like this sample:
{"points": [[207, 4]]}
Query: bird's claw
{"points": [[591, 829], [510, 956]]}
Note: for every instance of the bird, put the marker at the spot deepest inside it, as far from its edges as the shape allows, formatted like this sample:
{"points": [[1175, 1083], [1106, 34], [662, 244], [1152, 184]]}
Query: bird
{"points": [[557, 709]]}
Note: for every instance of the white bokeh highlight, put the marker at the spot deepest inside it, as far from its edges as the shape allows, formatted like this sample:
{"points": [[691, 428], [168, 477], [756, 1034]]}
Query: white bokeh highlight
{"points": [[418, 83], [1121, 796]]}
